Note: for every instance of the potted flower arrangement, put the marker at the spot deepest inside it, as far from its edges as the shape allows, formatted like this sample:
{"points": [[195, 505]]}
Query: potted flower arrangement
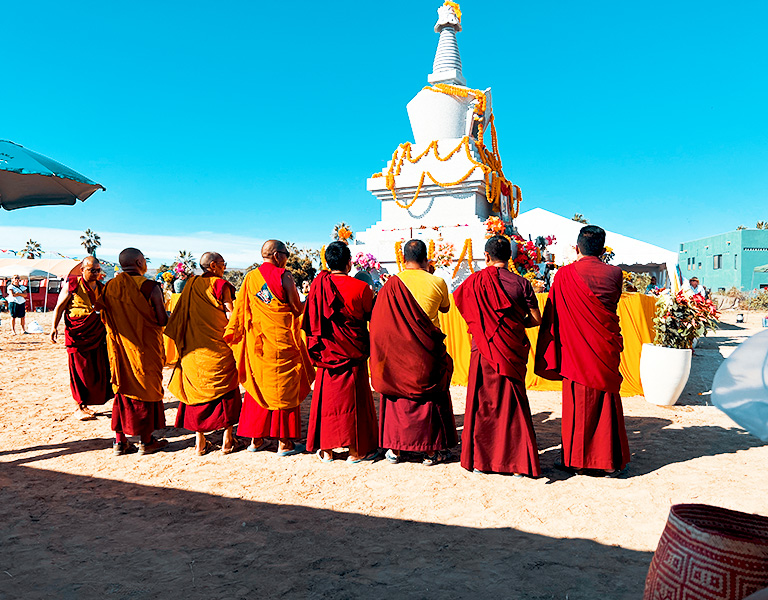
{"points": [[666, 364]]}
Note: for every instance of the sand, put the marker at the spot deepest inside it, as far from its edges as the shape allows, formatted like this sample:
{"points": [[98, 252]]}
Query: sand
{"points": [[77, 522]]}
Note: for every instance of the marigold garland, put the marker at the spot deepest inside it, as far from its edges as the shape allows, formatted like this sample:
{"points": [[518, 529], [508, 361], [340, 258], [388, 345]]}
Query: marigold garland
{"points": [[431, 250], [496, 183], [399, 258], [466, 251], [323, 265], [455, 6]]}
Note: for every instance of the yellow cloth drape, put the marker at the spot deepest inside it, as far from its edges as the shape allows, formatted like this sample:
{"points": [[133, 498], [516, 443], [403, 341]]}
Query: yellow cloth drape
{"points": [[171, 353], [636, 312]]}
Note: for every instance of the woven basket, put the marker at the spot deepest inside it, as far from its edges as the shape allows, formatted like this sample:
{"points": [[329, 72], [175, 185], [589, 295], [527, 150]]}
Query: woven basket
{"points": [[709, 553]]}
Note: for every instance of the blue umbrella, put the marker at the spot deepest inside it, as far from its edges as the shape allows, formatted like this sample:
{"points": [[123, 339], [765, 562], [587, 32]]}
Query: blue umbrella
{"points": [[31, 179]]}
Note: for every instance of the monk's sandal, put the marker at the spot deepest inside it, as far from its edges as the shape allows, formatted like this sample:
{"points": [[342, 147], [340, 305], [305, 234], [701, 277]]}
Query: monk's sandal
{"points": [[120, 448], [438, 457], [153, 446]]}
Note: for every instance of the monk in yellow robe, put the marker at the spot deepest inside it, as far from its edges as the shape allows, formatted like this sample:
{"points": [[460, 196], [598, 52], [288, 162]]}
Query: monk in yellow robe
{"points": [[272, 359], [85, 338], [134, 314], [205, 377]]}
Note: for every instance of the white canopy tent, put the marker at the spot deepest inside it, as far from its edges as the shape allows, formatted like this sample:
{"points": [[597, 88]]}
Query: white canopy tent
{"points": [[631, 254], [44, 268]]}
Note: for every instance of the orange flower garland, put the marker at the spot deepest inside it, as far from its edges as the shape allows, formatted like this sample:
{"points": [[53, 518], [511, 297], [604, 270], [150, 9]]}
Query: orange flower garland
{"points": [[431, 250], [490, 162], [466, 251], [323, 265], [399, 258]]}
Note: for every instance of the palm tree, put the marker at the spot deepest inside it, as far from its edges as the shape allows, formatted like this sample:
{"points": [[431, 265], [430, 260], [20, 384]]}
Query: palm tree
{"points": [[90, 241], [579, 218], [32, 250]]}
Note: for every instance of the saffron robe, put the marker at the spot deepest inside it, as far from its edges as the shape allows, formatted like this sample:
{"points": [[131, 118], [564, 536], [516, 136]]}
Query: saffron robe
{"points": [[498, 434], [411, 369], [342, 412], [205, 377], [86, 340], [136, 357], [580, 343], [272, 360]]}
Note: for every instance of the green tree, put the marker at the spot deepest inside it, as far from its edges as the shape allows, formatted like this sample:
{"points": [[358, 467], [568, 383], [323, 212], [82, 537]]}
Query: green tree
{"points": [[761, 225], [32, 250], [237, 276], [579, 218], [740, 227], [300, 264], [90, 240]]}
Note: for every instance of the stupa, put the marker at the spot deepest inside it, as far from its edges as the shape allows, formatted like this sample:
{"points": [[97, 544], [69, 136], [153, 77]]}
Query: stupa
{"points": [[442, 186]]}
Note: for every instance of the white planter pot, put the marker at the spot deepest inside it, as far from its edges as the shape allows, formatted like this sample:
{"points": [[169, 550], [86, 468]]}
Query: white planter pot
{"points": [[664, 373]]}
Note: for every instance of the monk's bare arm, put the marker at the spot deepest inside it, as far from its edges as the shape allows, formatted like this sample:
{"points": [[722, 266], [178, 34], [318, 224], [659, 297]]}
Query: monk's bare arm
{"points": [[534, 318], [157, 303], [61, 305], [292, 294], [445, 306]]}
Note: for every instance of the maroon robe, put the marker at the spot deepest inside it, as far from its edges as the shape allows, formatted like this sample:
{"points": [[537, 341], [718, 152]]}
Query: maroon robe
{"points": [[498, 433], [342, 414], [86, 342], [580, 343], [411, 369]]}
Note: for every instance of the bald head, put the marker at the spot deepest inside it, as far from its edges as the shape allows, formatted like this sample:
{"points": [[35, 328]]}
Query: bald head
{"points": [[91, 269], [272, 246], [208, 258], [275, 252], [132, 260]]}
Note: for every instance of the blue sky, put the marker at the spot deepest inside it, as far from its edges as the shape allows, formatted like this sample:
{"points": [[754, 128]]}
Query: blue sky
{"points": [[265, 119]]}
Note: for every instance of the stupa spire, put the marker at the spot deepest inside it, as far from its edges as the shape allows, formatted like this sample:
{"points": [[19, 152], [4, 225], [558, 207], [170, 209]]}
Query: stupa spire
{"points": [[446, 67]]}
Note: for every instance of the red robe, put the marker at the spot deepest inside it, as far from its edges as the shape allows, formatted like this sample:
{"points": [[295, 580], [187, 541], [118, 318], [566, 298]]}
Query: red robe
{"points": [[580, 343], [86, 342], [342, 414], [498, 433], [411, 369]]}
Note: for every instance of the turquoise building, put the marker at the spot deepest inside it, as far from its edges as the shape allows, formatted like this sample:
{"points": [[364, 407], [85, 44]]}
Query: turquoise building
{"points": [[727, 260]]}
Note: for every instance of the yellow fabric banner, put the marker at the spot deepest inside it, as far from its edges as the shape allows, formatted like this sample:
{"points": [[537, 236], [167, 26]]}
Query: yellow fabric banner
{"points": [[636, 312]]}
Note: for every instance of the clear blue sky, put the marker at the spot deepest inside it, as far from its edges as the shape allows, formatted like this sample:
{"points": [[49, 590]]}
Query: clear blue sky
{"points": [[265, 119]]}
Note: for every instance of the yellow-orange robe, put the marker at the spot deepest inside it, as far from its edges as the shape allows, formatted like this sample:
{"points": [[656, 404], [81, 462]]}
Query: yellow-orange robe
{"points": [[205, 377], [135, 346], [271, 354]]}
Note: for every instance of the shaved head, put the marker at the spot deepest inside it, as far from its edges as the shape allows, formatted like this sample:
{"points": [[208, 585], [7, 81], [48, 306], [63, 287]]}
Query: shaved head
{"points": [[90, 261], [130, 258], [91, 269], [209, 257], [272, 246]]}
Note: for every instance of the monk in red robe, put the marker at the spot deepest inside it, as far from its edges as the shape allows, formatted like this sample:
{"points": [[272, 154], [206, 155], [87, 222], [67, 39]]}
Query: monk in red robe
{"points": [[336, 319], [205, 377], [134, 314], [498, 305], [580, 343], [410, 366], [272, 360], [85, 338]]}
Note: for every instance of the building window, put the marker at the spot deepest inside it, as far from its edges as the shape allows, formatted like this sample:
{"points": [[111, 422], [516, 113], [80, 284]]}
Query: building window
{"points": [[734, 261], [699, 266], [717, 263]]}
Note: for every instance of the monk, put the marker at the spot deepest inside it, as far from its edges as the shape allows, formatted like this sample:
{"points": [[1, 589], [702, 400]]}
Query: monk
{"points": [[85, 338], [580, 343], [336, 319], [205, 378], [410, 366], [498, 305], [134, 314], [272, 361]]}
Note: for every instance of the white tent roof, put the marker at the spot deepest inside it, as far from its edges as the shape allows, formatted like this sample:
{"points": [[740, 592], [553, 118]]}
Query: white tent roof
{"points": [[37, 267], [628, 251]]}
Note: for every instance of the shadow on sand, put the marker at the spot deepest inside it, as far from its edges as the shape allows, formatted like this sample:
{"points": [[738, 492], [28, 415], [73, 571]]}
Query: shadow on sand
{"points": [[73, 537], [652, 442]]}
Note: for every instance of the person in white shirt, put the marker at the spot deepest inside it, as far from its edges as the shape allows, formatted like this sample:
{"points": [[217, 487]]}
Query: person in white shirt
{"points": [[17, 299], [694, 285]]}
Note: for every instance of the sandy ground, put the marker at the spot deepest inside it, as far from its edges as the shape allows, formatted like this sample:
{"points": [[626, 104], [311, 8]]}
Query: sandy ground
{"points": [[77, 522]]}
